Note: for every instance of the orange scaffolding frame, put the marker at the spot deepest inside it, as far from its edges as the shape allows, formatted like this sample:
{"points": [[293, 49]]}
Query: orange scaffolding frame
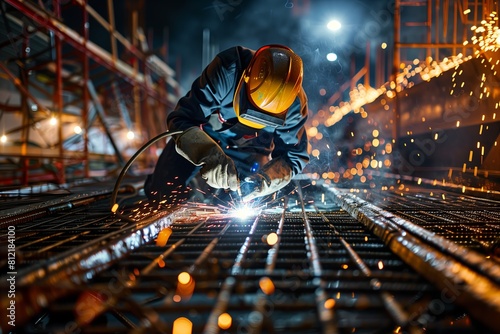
{"points": [[147, 80]]}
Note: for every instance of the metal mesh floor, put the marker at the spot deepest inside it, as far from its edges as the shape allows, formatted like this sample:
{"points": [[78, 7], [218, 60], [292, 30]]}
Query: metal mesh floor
{"points": [[319, 262], [466, 220]]}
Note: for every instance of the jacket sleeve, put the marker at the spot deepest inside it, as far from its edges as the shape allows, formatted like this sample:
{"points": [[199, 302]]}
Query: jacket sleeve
{"points": [[291, 139], [206, 93]]}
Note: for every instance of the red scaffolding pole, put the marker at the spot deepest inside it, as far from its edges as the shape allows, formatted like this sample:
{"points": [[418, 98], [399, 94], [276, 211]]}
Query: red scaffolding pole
{"points": [[141, 73]]}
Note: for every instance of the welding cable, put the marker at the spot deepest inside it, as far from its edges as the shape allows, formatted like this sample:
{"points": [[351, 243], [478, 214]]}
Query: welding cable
{"points": [[114, 204]]}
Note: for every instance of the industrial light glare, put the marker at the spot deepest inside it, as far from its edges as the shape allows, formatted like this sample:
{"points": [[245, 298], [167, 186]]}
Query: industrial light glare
{"points": [[334, 25], [383, 45], [3, 139], [53, 120], [130, 135], [331, 56], [77, 129]]}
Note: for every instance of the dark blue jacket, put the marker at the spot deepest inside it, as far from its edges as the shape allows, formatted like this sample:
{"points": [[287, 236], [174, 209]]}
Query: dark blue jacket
{"points": [[209, 104]]}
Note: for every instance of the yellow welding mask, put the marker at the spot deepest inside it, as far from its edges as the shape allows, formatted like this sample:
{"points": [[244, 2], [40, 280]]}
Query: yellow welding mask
{"points": [[268, 87]]}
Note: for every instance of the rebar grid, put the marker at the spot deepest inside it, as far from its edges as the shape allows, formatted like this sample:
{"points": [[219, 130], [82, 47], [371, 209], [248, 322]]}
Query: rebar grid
{"points": [[475, 278], [327, 272], [264, 288], [469, 221], [59, 228]]}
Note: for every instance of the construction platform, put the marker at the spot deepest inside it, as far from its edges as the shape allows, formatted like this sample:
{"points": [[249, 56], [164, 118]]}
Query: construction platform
{"points": [[319, 259]]}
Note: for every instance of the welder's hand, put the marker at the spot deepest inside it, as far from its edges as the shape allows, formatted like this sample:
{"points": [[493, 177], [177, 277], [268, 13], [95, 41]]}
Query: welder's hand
{"points": [[272, 177], [217, 168], [219, 171]]}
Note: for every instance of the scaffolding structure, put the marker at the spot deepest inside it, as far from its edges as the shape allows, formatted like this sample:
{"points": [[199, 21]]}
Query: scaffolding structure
{"points": [[426, 30], [78, 97], [435, 29], [440, 90]]}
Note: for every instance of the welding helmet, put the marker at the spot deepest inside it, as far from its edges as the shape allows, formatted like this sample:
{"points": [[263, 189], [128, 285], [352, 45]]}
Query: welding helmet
{"points": [[268, 87]]}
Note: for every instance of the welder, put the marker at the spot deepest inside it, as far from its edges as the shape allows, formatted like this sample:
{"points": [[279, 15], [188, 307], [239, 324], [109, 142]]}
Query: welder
{"points": [[242, 126]]}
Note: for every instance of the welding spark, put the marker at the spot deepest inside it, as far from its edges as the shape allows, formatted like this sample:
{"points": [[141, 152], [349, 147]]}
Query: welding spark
{"points": [[243, 211]]}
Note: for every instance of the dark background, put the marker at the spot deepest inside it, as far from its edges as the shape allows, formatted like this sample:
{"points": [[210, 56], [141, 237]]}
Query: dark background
{"points": [[299, 24]]}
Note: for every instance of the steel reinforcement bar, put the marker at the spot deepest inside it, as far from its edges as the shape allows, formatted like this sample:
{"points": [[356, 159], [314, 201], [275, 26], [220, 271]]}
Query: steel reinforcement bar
{"points": [[474, 281]]}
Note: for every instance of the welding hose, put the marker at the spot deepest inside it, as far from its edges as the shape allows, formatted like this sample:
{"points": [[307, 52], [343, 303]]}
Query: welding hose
{"points": [[114, 204]]}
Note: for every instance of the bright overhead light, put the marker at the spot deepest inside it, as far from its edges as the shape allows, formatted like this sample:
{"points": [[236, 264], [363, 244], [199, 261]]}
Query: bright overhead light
{"points": [[130, 135], [53, 120], [77, 129], [331, 56], [3, 138], [334, 25]]}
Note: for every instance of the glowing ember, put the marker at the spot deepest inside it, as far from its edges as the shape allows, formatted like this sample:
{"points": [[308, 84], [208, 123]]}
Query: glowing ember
{"points": [[380, 265], [114, 208], [163, 236], [184, 278], [329, 303], [272, 239], [185, 285], [266, 285], [182, 326], [224, 321]]}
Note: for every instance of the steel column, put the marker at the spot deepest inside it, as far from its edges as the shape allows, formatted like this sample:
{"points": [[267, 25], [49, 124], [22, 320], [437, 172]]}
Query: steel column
{"points": [[86, 96], [58, 100]]}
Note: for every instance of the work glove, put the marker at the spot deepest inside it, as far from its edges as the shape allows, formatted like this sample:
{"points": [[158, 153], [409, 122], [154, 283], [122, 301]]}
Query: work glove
{"points": [[217, 168], [270, 178]]}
